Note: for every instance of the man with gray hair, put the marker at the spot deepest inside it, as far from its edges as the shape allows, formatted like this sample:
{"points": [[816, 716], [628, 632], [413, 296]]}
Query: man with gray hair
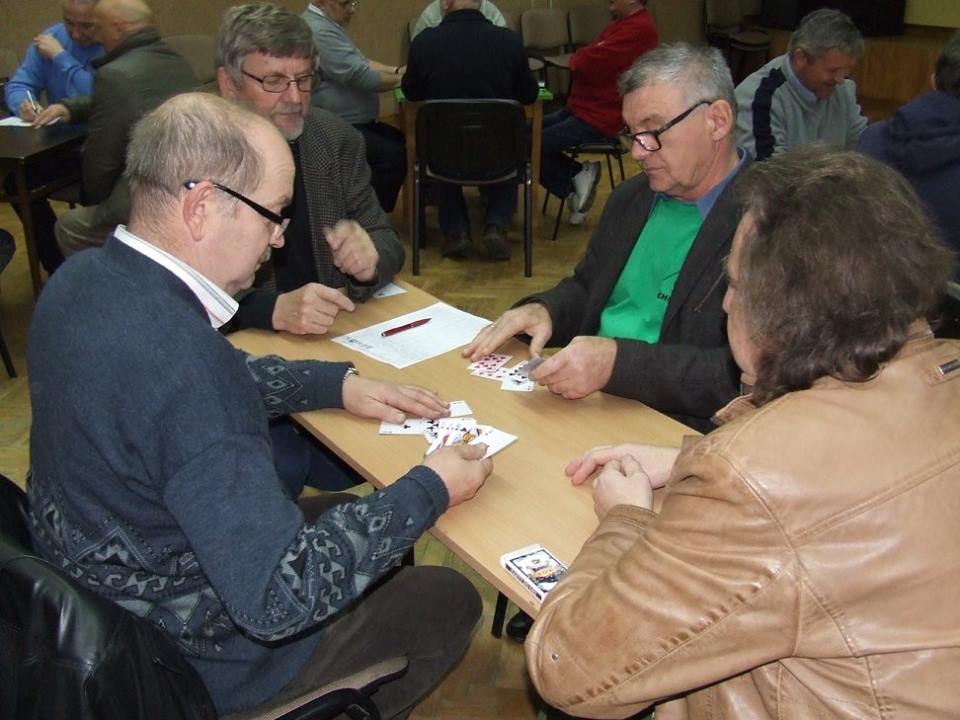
{"points": [[805, 95], [338, 236], [152, 480]]}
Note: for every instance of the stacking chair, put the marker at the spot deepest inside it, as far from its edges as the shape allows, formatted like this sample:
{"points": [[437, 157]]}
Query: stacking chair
{"points": [[472, 142], [725, 30], [545, 34], [66, 652], [585, 23], [608, 148]]}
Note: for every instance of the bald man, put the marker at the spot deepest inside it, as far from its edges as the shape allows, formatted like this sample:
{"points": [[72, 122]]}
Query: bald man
{"points": [[137, 73]]}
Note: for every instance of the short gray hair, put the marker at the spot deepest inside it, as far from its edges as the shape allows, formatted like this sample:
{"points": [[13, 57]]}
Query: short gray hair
{"points": [[265, 28], [947, 71], [194, 136], [701, 72], [824, 30]]}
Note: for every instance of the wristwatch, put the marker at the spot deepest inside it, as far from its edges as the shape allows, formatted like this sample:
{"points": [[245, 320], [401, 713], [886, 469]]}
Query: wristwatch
{"points": [[350, 371]]}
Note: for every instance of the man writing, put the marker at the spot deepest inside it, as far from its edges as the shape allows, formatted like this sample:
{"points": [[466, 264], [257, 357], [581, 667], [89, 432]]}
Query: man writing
{"points": [[805, 95], [152, 479]]}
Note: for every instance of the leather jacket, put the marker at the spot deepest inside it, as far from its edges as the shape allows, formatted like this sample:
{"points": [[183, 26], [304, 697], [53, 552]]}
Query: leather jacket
{"points": [[805, 563]]}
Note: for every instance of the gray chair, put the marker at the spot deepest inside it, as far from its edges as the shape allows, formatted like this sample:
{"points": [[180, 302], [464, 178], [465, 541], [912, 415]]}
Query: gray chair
{"points": [[584, 24], [544, 33], [726, 31]]}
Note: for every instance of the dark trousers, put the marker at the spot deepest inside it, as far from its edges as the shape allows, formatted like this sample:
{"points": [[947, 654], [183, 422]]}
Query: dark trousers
{"points": [[426, 613], [44, 218], [561, 131], [501, 203], [302, 460], [387, 158]]}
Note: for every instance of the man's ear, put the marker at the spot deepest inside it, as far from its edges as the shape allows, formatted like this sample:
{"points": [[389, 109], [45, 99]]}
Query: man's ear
{"points": [[225, 84], [720, 117], [196, 209]]}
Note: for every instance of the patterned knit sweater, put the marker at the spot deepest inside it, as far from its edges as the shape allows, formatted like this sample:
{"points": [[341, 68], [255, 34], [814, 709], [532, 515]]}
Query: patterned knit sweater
{"points": [[152, 479]]}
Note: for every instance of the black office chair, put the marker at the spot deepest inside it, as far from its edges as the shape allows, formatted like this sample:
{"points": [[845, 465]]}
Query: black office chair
{"points": [[472, 142], [948, 323], [608, 148], [66, 652]]}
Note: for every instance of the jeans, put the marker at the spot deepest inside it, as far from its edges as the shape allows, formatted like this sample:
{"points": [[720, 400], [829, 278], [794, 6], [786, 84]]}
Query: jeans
{"points": [[301, 460], [501, 203], [561, 131]]}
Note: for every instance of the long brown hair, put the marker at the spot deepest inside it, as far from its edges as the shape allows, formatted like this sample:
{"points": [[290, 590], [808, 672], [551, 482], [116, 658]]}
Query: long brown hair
{"points": [[840, 262]]}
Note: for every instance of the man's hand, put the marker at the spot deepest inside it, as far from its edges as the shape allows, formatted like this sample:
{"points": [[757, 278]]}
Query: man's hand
{"points": [[381, 400], [51, 114], [621, 482], [532, 319], [48, 46], [657, 461], [26, 111], [310, 310], [462, 469], [354, 253], [582, 367]]}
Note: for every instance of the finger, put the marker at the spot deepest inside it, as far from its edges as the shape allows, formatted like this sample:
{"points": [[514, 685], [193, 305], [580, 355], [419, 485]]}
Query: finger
{"points": [[631, 466], [539, 340], [478, 340], [497, 336], [472, 452], [334, 239], [335, 297], [551, 370]]}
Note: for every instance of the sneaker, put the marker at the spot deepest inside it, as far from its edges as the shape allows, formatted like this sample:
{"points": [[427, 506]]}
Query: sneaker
{"points": [[585, 186], [455, 245], [519, 626], [576, 218], [495, 239]]}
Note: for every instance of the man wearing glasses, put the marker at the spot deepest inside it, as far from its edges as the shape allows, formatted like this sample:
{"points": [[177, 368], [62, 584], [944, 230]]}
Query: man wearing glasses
{"points": [[152, 478], [641, 316], [348, 86]]}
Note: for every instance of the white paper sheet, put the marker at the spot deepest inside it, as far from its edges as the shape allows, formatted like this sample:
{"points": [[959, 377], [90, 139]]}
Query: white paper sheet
{"points": [[448, 328], [14, 121], [388, 290]]}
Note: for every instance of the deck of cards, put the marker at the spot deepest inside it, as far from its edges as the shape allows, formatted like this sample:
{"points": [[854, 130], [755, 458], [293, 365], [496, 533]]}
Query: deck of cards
{"points": [[455, 430], [514, 379]]}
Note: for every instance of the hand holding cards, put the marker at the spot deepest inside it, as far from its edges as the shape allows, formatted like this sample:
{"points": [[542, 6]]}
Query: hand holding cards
{"points": [[451, 431], [535, 567], [513, 379]]}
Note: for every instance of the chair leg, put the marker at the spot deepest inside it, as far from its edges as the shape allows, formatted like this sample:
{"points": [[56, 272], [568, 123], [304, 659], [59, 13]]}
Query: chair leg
{"points": [[623, 175], [417, 218], [610, 169], [499, 615], [528, 224], [7, 360], [556, 223]]}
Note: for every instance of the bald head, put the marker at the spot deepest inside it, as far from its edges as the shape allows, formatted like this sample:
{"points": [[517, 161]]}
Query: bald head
{"points": [[118, 19]]}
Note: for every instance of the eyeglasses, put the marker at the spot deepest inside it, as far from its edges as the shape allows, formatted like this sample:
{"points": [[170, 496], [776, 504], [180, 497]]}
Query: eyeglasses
{"points": [[348, 3], [650, 139], [280, 83], [279, 221]]}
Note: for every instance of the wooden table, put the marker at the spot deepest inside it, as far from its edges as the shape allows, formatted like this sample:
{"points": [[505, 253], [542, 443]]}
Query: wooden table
{"points": [[408, 121], [21, 146], [527, 499]]}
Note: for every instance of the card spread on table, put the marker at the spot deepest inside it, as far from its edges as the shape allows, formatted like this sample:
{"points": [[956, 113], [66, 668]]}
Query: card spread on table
{"points": [[489, 363], [454, 430]]}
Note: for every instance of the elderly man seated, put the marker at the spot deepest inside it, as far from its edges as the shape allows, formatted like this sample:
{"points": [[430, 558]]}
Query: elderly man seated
{"points": [[804, 559]]}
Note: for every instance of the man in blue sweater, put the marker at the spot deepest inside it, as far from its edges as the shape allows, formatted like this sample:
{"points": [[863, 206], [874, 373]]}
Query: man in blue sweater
{"points": [[152, 478], [58, 62]]}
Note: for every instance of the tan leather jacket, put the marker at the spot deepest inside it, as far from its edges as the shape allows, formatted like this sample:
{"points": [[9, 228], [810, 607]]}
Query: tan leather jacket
{"points": [[805, 564]]}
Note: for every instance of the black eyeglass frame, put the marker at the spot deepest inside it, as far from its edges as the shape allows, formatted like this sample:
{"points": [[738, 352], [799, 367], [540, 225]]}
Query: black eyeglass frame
{"points": [[287, 82], [631, 137], [270, 215]]}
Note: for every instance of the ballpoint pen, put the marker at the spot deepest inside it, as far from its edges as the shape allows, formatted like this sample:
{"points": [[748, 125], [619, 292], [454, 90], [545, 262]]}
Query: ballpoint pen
{"points": [[33, 103], [408, 326]]}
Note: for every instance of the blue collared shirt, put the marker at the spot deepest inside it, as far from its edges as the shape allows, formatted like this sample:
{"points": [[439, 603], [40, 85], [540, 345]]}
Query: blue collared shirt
{"points": [[69, 74]]}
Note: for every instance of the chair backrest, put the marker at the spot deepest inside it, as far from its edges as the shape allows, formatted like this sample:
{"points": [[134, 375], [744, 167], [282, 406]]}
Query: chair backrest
{"points": [[412, 25], [199, 51], [544, 30], [586, 22], [67, 652], [723, 15], [472, 141]]}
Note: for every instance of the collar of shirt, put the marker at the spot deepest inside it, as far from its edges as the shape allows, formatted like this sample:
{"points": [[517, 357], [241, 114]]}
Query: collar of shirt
{"points": [[706, 202], [219, 305], [313, 8], [802, 90]]}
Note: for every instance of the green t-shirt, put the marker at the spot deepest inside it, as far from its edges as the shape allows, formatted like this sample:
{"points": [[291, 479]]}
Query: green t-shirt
{"points": [[636, 307]]}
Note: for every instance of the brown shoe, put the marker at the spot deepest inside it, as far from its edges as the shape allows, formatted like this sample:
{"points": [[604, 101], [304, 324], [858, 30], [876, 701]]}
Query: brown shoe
{"points": [[495, 240], [455, 245]]}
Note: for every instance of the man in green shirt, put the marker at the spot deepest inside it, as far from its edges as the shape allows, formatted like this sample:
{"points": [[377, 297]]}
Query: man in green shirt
{"points": [[641, 316]]}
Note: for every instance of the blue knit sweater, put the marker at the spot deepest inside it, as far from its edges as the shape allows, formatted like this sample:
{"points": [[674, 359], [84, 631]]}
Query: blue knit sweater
{"points": [[152, 478]]}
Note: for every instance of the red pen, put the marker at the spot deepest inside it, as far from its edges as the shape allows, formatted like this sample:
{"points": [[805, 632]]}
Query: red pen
{"points": [[408, 326]]}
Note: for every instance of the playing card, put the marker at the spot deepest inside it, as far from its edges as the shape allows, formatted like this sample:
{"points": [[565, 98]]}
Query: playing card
{"points": [[411, 426], [459, 408], [453, 433], [495, 440], [498, 374], [519, 383], [490, 362], [435, 428], [532, 364]]}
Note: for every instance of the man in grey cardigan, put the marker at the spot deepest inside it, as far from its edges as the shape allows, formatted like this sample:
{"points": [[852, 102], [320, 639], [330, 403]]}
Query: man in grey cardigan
{"points": [[348, 87], [805, 95]]}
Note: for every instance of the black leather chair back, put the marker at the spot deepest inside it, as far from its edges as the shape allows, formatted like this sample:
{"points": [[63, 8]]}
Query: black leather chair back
{"points": [[66, 652]]}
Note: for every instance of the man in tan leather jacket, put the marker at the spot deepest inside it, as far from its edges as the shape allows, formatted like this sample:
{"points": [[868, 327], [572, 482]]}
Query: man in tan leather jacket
{"points": [[805, 559]]}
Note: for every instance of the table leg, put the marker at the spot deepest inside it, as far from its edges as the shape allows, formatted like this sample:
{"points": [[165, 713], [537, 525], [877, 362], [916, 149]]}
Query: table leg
{"points": [[408, 119], [26, 217]]}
